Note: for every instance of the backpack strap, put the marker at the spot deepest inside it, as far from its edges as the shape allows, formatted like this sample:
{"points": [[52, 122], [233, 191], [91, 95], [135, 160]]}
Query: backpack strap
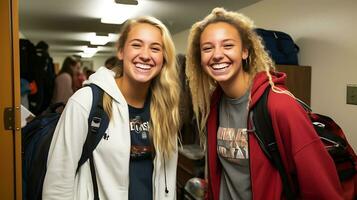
{"points": [[266, 139], [98, 122]]}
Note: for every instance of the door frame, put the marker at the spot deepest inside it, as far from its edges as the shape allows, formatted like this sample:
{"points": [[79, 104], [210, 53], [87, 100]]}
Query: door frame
{"points": [[10, 140]]}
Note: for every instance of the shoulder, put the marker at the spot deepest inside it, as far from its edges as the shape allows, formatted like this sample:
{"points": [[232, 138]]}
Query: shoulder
{"points": [[283, 104], [63, 77], [285, 109], [82, 97], [291, 122], [289, 116]]}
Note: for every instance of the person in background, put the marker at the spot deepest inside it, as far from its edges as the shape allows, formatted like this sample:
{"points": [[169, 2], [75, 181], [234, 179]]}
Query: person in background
{"points": [[78, 79], [87, 72], [63, 89], [137, 158], [228, 71], [45, 77], [112, 62]]}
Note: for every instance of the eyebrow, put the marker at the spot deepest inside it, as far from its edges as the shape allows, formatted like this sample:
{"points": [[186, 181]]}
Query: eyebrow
{"points": [[225, 40], [141, 41], [228, 40]]}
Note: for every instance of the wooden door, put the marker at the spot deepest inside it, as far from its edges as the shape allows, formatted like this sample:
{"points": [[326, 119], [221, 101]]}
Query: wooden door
{"points": [[10, 132]]}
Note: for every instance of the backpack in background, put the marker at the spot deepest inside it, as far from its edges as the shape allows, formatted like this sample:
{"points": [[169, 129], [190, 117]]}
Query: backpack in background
{"points": [[281, 47], [36, 141], [331, 135], [45, 76], [36, 66]]}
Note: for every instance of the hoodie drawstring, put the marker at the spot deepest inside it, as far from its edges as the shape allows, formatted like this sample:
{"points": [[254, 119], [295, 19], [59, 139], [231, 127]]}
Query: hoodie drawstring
{"points": [[166, 190]]}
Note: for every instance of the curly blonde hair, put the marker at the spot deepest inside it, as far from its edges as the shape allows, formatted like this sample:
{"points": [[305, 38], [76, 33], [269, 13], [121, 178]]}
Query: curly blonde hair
{"points": [[201, 84], [164, 105]]}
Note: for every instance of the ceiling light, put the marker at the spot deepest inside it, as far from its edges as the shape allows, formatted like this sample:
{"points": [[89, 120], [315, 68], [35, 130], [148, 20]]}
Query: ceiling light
{"points": [[89, 51], [99, 39], [113, 37], [83, 55], [118, 13], [128, 2], [114, 20]]}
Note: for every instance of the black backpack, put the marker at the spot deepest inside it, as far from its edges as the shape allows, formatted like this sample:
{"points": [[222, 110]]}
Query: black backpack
{"points": [[36, 141], [331, 135]]}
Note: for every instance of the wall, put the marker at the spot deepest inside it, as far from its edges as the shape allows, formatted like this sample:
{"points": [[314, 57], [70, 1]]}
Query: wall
{"points": [[180, 40], [99, 61], [326, 33], [58, 58], [21, 36]]}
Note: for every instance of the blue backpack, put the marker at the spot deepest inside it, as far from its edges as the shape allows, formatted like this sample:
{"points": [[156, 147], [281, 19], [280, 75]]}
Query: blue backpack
{"points": [[36, 141], [280, 46]]}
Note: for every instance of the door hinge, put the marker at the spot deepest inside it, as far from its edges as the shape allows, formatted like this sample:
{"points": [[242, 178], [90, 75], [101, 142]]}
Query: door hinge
{"points": [[9, 118]]}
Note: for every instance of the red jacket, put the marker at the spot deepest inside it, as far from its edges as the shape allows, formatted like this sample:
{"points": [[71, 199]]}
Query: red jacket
{"points": [[302, 152]]}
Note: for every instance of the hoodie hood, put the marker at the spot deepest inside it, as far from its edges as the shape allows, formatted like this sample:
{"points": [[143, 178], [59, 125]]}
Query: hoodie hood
{"points": [[261, 82], [104, 78]]}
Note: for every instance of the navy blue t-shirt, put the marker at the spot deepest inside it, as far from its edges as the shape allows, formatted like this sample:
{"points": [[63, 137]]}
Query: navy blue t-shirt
{"points": [[141, 154]]}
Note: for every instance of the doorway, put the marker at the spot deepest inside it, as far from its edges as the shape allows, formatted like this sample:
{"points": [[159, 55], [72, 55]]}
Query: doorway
{"points": [[10, 131]]}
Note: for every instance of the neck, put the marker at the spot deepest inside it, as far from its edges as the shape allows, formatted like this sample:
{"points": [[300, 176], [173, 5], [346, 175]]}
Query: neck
{"points": [[237, 87], [134, 93]]}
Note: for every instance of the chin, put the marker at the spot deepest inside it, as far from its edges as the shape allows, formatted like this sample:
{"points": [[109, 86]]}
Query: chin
{"points": [[143, 80], [220, 78]]}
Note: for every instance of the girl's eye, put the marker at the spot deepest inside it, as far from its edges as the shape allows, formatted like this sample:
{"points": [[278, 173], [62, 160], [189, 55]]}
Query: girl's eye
{"points": [[228, 46], [206, 49], [135, 45], [156, 49]]}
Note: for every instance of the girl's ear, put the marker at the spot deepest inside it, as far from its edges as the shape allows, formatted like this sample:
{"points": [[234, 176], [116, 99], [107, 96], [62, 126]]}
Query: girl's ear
{"points": [[120, 54], [245, 53]]}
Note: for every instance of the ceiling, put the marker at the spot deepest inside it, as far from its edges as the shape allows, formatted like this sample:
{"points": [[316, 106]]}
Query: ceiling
{"points": [[66, 24]]}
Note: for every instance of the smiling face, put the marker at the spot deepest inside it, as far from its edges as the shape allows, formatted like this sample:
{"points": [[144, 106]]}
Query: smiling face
{"points": [[142, 53], [222, 52]]}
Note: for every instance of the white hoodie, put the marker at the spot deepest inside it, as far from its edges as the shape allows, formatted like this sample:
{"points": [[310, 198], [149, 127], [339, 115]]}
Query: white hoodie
{"points": [[111, 157]]}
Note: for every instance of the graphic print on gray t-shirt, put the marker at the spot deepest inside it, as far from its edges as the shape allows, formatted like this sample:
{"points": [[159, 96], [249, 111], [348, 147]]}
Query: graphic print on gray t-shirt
{"points": [[232, 148]]}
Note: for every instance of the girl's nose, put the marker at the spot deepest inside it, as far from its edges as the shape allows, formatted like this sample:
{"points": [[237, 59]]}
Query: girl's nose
{"points": [[217, 54]]}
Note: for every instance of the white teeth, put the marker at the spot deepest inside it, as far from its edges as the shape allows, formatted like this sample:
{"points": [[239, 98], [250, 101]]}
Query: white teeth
{"points": [[219, 66], [142, 66]]}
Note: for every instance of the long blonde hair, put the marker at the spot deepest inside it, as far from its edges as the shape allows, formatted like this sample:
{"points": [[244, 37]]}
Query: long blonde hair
{"points": [[201, 84], [164, 105]]}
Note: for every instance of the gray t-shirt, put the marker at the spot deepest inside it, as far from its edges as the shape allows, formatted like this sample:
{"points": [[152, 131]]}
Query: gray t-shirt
{"points": [[232, 148]]}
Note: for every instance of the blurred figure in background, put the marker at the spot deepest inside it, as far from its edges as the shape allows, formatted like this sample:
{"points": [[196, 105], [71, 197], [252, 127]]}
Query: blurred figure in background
{"points": [[78, 79], [45, 77], [64, 81], [87, 72], [112, 62]]}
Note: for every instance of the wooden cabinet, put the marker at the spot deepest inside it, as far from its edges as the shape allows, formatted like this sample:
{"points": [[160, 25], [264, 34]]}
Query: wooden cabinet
{"points": [[298, 81], [191, 163]]}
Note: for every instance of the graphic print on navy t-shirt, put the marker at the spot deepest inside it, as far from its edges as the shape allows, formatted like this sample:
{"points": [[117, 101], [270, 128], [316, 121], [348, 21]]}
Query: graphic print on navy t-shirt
{"points": [[232, 143], [141, 154], [140, 141]]}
